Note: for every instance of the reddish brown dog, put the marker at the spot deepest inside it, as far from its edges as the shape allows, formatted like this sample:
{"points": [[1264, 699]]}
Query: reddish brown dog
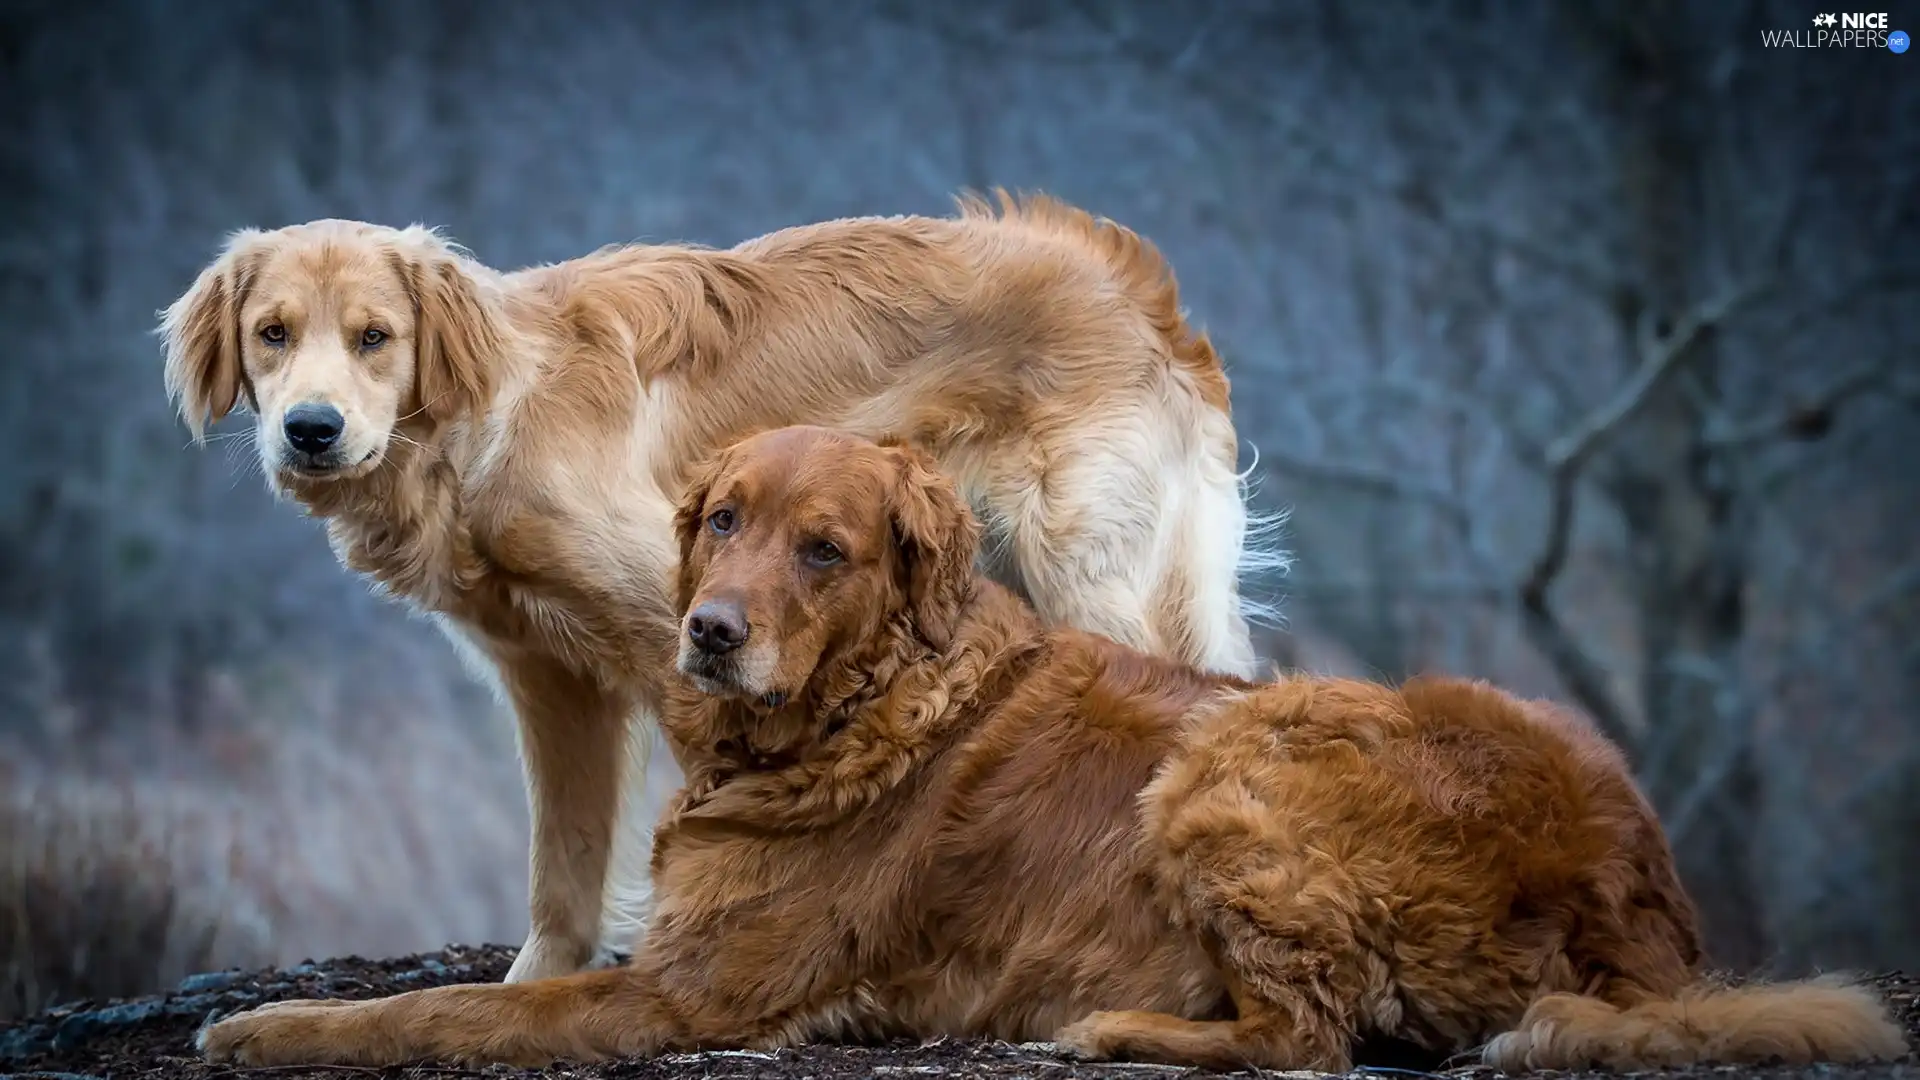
{"points": [[911, 809]]}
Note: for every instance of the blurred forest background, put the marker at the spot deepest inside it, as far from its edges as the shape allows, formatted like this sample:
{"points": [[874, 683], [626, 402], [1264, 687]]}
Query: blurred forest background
{"points": [[1578, 336]]}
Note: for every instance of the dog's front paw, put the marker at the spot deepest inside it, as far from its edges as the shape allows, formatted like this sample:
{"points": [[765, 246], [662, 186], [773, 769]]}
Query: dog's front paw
{"points": [[1089, 1039], [286, 1033]]}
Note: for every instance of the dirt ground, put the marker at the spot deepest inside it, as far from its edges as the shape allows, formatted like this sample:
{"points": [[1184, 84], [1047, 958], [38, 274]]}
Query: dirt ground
{"points": [[145, 1038]]}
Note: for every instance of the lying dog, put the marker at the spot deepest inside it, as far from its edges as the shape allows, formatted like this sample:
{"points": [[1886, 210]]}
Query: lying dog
{"points": [[911, 810], [503, 451]]}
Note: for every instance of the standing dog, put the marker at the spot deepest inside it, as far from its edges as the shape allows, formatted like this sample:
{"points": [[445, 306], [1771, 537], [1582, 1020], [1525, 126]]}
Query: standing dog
{"points": [[502, 450], [911, 809]]}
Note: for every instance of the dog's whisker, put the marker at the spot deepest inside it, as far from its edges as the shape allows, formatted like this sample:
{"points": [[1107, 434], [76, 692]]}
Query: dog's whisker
{"points": [[418, 411], [239, 448], [229, 437]]}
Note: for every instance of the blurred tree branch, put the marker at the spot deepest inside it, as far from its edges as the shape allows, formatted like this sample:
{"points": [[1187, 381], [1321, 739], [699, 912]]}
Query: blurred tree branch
{"points": [[1375, 482], [1811, 415], [1660, 355]]}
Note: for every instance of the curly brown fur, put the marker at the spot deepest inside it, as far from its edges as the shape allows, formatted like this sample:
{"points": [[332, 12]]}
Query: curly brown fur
{"points": [[959, 822]]}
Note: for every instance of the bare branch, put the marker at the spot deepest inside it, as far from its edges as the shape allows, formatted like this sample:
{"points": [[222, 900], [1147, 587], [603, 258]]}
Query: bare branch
{"points": [[1839, 302], [1584, 677], [1347, 176], [1847, 442], [1898, 585], [1344, 180], [1700, 798], [1563, 498], [1659, 357], [1811, 416], [1374, 482], [1190, 54], [1469, 589], [1844, 871], [959, 32], [1422, 392]]}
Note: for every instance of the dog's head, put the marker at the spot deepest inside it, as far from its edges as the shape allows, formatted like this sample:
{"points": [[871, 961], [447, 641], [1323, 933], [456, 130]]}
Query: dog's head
{"points": [[798, 546], [339, 334]]}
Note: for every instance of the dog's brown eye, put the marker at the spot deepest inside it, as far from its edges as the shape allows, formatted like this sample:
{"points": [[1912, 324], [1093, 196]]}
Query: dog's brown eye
{"points": [[273, 334], [720, 521], [823, 554], [371, 337]]}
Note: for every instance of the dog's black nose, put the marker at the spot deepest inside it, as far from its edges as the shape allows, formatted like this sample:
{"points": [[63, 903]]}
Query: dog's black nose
{"points": [[717, 626], [313, 428]]}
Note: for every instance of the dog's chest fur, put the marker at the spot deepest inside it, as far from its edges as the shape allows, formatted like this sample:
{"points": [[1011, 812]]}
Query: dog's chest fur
{"points": [[1000, 889], [564, 550]]}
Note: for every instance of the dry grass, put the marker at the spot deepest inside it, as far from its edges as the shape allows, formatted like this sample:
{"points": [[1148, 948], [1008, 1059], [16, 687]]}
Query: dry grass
{"points": [[352, 830], [110, 892]]}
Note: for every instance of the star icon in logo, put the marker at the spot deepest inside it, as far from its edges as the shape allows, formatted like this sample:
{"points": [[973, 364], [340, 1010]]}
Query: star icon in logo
{"points": [[1824, 20]]}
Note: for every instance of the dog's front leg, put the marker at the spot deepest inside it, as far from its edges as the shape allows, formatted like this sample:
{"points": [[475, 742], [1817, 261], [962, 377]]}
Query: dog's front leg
{"points": [[573, 746], [586, 1017]]}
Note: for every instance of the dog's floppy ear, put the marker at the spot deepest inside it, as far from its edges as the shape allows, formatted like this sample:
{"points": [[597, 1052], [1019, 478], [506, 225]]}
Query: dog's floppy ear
{"points": [[458, 332], [689, 516], [938, 538], [201, 331]]}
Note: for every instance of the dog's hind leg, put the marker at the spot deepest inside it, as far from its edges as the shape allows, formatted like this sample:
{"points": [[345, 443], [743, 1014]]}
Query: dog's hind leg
{"points": [[1295, 989], [1081, 533], [1266, 1035], [1113, 531], [1223, 559], [1274, 896], [1161, 1038]]}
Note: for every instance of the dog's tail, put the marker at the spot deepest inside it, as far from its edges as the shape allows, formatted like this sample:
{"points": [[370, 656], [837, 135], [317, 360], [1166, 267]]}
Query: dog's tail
{"points": [[1228, 527], [1135, 263], [1828, 1019]]}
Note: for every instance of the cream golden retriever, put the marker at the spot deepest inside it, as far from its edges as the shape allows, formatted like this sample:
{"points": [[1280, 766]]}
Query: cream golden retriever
{"points": [[501, 450], [911, 809]]}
